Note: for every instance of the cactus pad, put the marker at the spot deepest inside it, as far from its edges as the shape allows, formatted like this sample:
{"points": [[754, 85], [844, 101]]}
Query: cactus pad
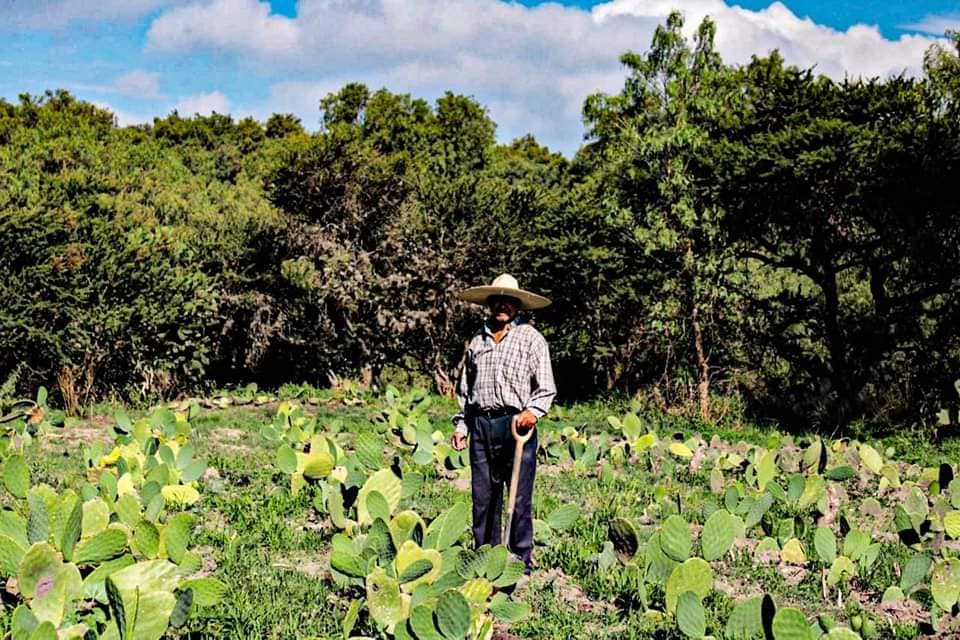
{"points": [[945, 583], [746, 621], [825, 543], [693, 575], [675, 538], [384, 601], [386, 484], [407, 525], [790, 624], [565, 515], [410, 554], [718, 534], [453, 615], [625, 539], [105, 545], [691, 617]]}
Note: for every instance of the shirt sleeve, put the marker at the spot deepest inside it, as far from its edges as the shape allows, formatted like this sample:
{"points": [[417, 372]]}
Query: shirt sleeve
{"points": [[459, 422], [542, 387]]}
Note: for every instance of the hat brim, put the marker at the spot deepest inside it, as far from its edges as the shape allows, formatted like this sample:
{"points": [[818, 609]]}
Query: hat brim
{"points": [[528, 301]]}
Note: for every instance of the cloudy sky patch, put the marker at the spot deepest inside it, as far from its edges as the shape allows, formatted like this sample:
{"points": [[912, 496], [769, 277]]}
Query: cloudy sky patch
{"points": [[530, 63]]}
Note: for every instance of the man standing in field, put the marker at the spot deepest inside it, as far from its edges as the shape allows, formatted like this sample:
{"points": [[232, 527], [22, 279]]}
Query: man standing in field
{"points": [[507, 380]]}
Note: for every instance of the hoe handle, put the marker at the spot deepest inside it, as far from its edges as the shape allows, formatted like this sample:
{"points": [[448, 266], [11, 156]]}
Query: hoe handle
{"points": [[520, 441]]}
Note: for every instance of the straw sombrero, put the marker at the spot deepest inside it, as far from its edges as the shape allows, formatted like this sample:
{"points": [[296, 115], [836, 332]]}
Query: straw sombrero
{"points": [[504, 285]]}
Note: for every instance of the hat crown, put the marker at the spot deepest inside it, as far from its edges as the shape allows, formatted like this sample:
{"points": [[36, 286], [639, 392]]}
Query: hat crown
{"points": [[505, 281]]}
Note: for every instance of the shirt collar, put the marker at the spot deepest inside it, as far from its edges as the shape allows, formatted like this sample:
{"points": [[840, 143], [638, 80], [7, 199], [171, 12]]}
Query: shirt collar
{"points": [[516, 320]]}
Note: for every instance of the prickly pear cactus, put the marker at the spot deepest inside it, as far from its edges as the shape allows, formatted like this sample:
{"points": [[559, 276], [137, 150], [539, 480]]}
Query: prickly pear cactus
{"points": [[693, 575], [626, 541], [717, 535]]}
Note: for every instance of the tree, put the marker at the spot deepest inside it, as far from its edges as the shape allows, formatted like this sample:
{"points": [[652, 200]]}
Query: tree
{"points": [[834, 193], [116, 256], [650, 139], [281, 125]]}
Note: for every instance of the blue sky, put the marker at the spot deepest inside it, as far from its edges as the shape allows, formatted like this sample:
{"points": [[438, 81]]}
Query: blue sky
{"points": [[530, 63]]}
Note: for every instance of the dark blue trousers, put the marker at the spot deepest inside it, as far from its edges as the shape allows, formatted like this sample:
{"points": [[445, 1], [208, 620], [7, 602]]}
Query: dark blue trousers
{"points": [[491, 464]]}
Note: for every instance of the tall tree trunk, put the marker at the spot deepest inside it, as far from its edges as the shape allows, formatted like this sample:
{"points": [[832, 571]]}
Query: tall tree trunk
{"points": [[703, 365], [839, 369]]}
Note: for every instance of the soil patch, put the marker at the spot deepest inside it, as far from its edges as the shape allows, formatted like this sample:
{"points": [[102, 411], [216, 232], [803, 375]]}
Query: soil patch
{"points": [[209, 566], [94, 429], [236, 450], [215, 521], [569, 592], [316, 566], [907, 610], [226, 433], [500, 633], [463, 484], [738, 589], [792, 575], [554, 469]]}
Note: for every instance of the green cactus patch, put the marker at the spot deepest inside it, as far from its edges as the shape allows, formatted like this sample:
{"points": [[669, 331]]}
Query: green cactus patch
{"points": [[423, 624], [386, 604], [377, 506], [746, 620], [39, 567], [453, 615], [103, 546], [408, 555], [717, 535], [387, 485], [945, 583], [16, 476], [825, 544], [564, 516], [447, 528], [407, 525], [507, 610], [791, 624], [207, 592], [691, 618], [675, 538], [915, 571], [626, 541], [693, 575]]}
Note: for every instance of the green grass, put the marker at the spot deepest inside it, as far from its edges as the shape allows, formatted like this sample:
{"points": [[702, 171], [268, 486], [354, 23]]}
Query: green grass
{"points": [[270, 548]]}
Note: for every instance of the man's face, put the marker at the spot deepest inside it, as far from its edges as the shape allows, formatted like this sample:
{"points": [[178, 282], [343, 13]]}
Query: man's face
{"points": [[503, 308]]}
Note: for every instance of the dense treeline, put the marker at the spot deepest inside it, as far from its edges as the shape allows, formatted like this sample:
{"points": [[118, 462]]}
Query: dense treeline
{"points": [[754, 230]]}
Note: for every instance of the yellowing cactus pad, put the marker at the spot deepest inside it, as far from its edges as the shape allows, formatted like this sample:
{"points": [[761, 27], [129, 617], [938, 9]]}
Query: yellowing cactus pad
{"points": [[180, 495]]}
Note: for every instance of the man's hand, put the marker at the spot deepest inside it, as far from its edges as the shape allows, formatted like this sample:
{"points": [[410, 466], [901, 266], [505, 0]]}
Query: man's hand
{"points": [[524, 421], [459, 440]]}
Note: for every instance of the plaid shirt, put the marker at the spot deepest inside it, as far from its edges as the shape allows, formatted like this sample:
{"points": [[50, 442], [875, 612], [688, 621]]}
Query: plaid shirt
{"points": [[515, 372]]}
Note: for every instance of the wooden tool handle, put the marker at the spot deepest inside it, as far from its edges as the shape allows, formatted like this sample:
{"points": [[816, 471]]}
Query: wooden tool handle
{"points": [[521, 439]]}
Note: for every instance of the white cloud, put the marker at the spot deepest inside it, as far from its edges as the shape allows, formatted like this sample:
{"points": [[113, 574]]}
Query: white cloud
{"points": [[45, 14], [861, 50], [138, 84], [203, 104], [301, 98], [124, 118], [936, 25], [243, 25], [532, 66]]}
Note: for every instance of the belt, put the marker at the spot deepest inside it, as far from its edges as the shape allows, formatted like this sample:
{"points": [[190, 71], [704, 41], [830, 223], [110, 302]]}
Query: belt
{"points": [[492, 414]]}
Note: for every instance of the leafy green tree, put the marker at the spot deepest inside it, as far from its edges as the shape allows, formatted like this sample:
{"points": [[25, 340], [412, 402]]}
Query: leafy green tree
{"points": [[345, 107], [833, 194], [281, 125], [116, 255], [651, 138]]}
